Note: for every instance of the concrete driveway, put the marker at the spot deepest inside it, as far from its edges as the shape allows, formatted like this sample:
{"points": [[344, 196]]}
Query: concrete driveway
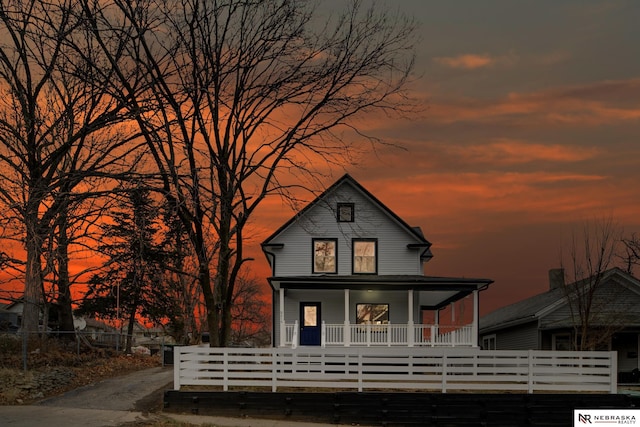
{"points": [[111, 402], [117, 402]]}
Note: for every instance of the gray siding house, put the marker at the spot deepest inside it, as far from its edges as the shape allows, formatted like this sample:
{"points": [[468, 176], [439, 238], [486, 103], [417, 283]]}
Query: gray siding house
{"points": [[347, 271], [544, 321]]}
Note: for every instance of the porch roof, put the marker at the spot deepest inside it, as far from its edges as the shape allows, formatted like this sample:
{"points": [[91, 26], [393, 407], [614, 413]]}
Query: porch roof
{"points": [[440, 290]]}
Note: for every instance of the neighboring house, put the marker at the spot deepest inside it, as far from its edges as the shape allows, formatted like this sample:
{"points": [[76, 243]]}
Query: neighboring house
{"points": [[544, 322], [11, 315], [9, 320], [153, 336], [347, 271]]}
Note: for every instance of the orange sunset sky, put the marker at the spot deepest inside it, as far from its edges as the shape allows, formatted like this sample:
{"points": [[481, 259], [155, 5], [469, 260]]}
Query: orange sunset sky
{"points": [[531, 126]]}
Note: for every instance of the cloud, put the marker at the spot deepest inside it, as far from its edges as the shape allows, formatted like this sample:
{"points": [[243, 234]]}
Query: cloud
{"points": [[472, 61], [513, 152], [551, 58], [596, 104], [466, 62]]}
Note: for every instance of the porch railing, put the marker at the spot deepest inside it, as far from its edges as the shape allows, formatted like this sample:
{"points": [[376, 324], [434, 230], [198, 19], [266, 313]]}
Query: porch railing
{"points": [[372, 335]]}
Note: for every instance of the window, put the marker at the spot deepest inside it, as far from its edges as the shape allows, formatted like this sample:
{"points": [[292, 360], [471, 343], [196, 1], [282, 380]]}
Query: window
{"points": [[372, 314], [489, 342], [310, 315], [561, 342], [345, 212], [324, 255], [364, 256]]}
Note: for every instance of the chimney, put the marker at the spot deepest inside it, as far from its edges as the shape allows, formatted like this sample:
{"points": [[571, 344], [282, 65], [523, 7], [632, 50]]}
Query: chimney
{"points": [[556, 278]]}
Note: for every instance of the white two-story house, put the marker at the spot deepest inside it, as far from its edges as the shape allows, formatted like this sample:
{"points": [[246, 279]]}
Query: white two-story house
{"points": [[347, 271]]}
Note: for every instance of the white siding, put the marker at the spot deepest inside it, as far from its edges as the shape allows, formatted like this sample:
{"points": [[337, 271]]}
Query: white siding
{"points": [[394, 258], [523, 337]]}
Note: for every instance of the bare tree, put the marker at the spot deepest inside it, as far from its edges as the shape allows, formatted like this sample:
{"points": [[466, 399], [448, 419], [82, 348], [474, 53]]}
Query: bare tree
{"points": [[631, 256], [246, 95], [592, 253], [52, 126], [250, 314]]}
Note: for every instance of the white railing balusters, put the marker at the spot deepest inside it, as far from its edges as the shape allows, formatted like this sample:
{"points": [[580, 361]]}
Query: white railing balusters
{"points": [[390, 335]]}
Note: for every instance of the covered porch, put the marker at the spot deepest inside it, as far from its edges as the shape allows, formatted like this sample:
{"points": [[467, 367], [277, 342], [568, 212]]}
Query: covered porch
{"points": [[376, 311]]}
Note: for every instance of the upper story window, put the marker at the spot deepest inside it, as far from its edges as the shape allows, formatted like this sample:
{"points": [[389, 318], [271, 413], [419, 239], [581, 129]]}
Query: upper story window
{"points": [[345, 212], [324, 255], [365, 256]]}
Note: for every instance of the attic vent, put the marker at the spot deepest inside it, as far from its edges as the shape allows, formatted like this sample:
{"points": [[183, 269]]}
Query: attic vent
{"points": [[345, 212]]}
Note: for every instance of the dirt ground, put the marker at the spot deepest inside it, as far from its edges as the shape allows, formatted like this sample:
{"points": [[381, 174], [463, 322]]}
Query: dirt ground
{"points": [[54, 367]]}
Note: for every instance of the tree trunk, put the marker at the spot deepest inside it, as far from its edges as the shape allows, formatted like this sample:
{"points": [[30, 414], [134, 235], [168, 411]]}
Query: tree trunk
{"points": [[209, 300], [33, 279], [65, 315], [129, 339]]}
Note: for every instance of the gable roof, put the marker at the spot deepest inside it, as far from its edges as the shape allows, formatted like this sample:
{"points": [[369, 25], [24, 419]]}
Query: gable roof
{"points": [[414, 231], [533, 308]]}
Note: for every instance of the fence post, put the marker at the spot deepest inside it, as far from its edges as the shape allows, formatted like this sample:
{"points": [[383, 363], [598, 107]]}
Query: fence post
{"points": [[274, 370], [530, 356], [613, 375], [225, 370], [177, 359], [444, 372], [360, 372], [323, 335]]}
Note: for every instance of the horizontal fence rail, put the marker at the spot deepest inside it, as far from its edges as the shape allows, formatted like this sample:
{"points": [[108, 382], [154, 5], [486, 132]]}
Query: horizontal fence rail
{"points": [[420, 369]]}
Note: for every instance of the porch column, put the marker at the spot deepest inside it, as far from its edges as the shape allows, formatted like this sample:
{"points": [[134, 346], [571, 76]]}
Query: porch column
{"points": [[347, 328], [410, 333], [476, 319], [436, 326], [283, 327]]}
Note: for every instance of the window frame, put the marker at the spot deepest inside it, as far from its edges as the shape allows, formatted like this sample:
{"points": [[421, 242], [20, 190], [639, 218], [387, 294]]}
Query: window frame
{"points": [[313, 255], [353, 255], [373, 303], [487, 340], [345, 205], [558, 338]]}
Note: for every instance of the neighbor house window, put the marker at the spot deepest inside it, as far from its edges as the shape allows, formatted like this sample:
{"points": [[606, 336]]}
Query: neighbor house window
{"points": [[364, 256], [324, 255], [489, 342], [561, 342], [372, 314], [345, 212]]}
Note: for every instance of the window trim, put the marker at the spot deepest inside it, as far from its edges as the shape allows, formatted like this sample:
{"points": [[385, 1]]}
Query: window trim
{"points": [[559, 336], [353, 255], [313, 255], [347, 205], [488, 338], [374, 303]]}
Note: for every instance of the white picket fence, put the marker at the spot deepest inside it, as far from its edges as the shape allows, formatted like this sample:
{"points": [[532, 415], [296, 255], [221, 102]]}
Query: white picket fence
{"points": [[421, 369]]}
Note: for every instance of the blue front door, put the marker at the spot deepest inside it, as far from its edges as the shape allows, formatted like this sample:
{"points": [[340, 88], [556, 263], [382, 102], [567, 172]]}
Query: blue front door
{"points": [[309, 323]]}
